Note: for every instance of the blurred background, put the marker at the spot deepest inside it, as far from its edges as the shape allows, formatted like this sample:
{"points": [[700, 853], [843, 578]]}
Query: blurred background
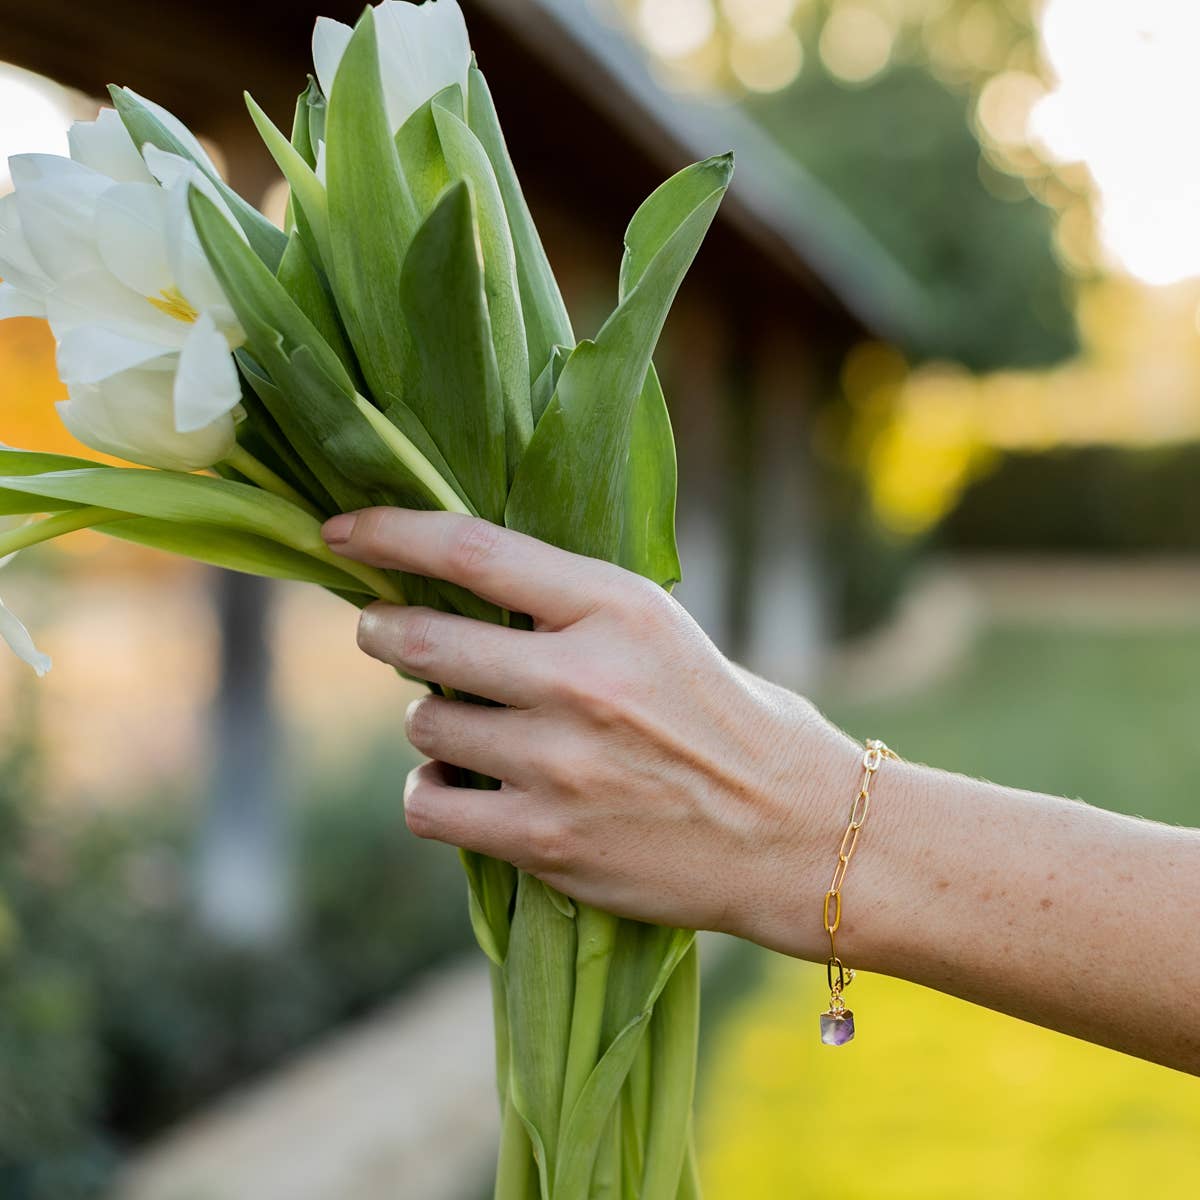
{"points": [[935, 381]]}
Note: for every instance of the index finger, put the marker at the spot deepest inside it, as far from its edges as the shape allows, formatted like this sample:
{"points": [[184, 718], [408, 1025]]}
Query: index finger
{"points": [[511, 569]]}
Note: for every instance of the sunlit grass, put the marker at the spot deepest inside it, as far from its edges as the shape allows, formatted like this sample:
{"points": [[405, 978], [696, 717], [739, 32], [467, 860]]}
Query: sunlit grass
{"points": [[937, 1098]]}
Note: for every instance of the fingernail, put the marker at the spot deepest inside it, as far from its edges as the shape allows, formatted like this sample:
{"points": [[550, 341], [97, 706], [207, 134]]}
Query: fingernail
{"points": [[338, 529]]}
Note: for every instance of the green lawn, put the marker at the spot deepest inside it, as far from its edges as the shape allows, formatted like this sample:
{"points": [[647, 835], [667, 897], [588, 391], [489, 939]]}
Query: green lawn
{"points": [[938, 1099], [1110, 717]]}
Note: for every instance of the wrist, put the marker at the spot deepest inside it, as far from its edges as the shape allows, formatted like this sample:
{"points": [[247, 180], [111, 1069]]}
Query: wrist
{"points": [[816, 780]]}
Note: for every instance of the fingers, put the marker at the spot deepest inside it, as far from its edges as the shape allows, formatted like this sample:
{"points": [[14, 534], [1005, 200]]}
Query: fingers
{"points": [[510, 666], [488, 822], [508, 568], [486, 740]]}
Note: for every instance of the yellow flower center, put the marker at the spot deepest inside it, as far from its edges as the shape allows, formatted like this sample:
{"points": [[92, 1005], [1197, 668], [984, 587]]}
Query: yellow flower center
{"points": [[171, 301]]}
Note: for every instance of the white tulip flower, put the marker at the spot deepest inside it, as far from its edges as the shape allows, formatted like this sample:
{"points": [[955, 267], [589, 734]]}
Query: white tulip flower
{"points": [[102, 245], [132, 414], [423, 48]]}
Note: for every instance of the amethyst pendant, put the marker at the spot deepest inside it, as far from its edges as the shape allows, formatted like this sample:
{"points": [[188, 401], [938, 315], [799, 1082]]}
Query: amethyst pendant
{"points": [[837, 1028]]}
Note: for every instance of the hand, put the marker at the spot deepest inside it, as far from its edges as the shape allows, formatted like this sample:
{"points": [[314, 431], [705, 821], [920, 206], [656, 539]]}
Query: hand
{"points": [[642, 771]]}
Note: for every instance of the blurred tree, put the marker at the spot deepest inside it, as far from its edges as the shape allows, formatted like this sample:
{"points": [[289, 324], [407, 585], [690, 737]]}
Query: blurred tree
{"points": [[899, 153]]}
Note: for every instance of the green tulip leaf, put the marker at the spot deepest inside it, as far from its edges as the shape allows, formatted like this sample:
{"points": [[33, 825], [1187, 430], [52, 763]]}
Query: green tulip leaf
{"points": [[235, 551], [305, 283], [302, 139], [174, 496], [542, 309], [592, 447], [144, 126], [456, 390], [467, 159], [307, 193], [372, 215], [420, 149], [547, 381]]}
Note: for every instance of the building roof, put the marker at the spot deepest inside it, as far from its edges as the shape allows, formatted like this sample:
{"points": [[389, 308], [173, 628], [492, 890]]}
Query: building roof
{"points": [[778, 224], [778, 205]]}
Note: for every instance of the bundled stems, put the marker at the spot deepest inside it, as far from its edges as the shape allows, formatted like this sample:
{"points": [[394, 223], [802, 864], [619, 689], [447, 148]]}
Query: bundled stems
{"points": [[597, 935]]}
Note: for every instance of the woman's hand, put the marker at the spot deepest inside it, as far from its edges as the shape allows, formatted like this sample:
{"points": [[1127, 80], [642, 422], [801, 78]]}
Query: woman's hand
{"points": [[641, 771], [646, 774]]}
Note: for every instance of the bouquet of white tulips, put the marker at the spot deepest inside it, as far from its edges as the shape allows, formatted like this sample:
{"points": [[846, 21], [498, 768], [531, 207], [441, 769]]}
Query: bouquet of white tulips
{"points": [[403, 341]]}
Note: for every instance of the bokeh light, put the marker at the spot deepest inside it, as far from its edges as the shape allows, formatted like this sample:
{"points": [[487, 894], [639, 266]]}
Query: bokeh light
{"points": [[676, 28], [766, 64], [1125, 102], [1005, 104], [758, 19], [856, 42]]}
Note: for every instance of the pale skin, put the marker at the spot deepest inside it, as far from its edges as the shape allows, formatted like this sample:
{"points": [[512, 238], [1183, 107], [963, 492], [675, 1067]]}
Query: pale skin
{"points": [[645, 773]]}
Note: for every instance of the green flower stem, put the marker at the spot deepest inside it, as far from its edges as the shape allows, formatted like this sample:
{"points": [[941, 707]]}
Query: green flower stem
{"points": [[500, 1024], [597, 934], [422, 469], [242, 461], [674, 1035], [516, 1171], [55, 526], [607, 1183], [381, 584], [635, 1113], [689, 1182]]}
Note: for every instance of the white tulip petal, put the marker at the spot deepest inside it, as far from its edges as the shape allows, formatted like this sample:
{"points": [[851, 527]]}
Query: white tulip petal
{"points": [[330, 39], [319, 169], [56, 199], [131, 234], [17, 263], [19, 641], [206, 382], [16, 303], [105, 145], [96, 298], [423, 48], [170, 170], [91, 353], [132, 416], [190, 267], [174, 126]]}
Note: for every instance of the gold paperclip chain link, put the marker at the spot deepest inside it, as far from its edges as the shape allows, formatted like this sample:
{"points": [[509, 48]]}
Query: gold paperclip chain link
{"points": [[837, 973]]}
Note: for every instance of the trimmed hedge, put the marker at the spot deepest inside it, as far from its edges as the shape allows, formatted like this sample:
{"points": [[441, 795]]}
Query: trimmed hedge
{"points": [[1095, 499]]}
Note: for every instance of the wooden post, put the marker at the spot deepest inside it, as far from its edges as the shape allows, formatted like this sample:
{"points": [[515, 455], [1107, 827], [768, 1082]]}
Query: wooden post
{"points": [[243, 867], [784, 622]]}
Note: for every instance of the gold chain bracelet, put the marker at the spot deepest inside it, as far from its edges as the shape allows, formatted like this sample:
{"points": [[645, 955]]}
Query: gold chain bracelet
{"points": [[837, 1024]]}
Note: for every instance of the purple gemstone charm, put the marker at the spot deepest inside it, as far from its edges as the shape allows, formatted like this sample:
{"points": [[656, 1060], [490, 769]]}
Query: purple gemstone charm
{"points": [[837, 1028]]}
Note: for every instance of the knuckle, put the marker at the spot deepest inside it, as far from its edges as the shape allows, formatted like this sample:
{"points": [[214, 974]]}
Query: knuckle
{"points": [[645, 606], [549, 844], [416, 643], [371, 532], [475, 542]]}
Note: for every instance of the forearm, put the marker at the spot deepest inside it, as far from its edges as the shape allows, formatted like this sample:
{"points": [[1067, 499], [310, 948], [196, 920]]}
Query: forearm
{"points": [[1047, 909], [644, 776]]}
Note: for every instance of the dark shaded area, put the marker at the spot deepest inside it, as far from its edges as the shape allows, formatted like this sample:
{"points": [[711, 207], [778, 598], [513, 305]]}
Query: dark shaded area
{"points": [[1089, 499]]}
